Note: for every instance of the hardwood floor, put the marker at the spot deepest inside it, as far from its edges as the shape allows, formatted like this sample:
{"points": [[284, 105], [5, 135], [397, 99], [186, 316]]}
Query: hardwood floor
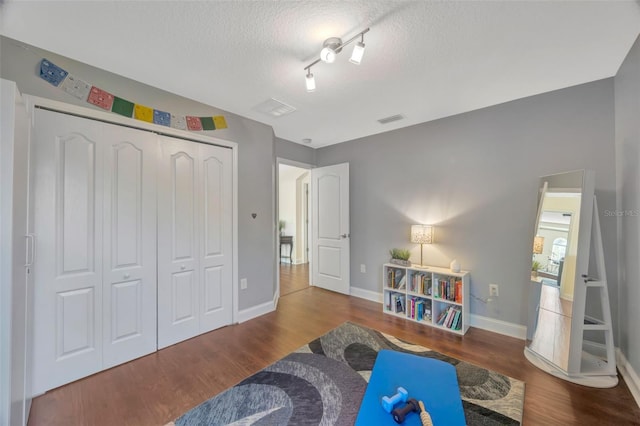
{"points": [[160, 387], [293, 278]]}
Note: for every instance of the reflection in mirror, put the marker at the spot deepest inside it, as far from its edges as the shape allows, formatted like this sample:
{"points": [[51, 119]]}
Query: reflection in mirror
{"points": [[553, 268]]}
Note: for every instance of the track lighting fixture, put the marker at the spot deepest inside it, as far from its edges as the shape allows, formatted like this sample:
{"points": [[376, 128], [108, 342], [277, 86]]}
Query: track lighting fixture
{"points": [[330, 49]]}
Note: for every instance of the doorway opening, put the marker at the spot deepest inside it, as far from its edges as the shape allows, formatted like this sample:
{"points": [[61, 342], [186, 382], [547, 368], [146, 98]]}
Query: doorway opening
{"points": [[293, 226]]}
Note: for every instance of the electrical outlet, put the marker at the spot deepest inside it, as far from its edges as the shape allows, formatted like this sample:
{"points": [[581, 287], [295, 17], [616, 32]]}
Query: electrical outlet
{"points": [[493, 290], [363, 268], [243, 284]]}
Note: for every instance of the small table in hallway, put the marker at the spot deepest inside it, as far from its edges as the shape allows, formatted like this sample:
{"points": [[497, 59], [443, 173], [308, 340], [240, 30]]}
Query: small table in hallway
{"points": [[286, 240]]}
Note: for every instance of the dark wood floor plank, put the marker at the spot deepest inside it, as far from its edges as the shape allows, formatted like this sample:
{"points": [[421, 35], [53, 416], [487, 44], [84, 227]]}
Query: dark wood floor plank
{"points": [[158, 388]]}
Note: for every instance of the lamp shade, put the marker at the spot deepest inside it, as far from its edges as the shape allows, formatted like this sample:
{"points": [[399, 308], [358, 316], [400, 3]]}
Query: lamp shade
{"points": [[310, 82], [358, 52], [538, 244], [422, 234]]}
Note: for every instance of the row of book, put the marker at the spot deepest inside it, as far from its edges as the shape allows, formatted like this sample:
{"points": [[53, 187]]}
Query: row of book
{"points": [[448, 289], [420, 283], [420, 309], [451, 318], [396, 278]]}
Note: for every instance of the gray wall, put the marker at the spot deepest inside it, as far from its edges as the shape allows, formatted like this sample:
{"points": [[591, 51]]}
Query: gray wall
{"points": [[295, 151], [475, 177], [627, 136], [256, 153]]}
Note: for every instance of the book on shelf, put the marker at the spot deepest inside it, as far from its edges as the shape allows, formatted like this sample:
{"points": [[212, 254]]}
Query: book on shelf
{"points": [[403, 282], [458, 297], [456, 322], [399, 303], [451, 317], [419, 310], [450, 314]]}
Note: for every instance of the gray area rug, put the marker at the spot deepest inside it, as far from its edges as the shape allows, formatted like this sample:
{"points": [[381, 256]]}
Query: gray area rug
{"points": [[323, 383]]}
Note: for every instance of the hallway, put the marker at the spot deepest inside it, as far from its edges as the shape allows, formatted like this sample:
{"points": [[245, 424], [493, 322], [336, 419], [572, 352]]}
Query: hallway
{"points": [[293, 278]]}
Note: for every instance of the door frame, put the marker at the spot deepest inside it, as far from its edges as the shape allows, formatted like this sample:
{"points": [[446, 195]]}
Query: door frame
{"points": [[276, 210], [34, 102]]}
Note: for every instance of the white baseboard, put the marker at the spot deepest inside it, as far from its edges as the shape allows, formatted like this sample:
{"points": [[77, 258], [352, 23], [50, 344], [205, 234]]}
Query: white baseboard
{"points": [[498, 326], [258, 310], [485, 323], [629, 375], [374, 296]]}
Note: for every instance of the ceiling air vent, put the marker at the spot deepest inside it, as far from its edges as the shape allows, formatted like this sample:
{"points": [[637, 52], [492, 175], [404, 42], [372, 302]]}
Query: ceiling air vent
{"points": [[391, 119], [274, 108]]}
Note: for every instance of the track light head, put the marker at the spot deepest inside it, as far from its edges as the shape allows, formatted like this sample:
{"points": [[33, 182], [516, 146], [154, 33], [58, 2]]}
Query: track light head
{"points": [[358, 52], [310, 81], [331, 47]]}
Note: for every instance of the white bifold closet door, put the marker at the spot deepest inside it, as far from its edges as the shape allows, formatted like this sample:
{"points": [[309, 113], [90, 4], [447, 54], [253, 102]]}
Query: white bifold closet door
{"points": [[194, 239], [94, 201]]}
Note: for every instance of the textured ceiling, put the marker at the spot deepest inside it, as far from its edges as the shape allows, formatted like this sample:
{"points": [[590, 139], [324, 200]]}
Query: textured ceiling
{"points": [[424, 60]]}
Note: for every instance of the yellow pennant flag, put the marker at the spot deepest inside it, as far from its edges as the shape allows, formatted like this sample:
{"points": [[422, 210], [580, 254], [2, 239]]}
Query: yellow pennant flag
{"points": [[143, 113], [220, 122]]}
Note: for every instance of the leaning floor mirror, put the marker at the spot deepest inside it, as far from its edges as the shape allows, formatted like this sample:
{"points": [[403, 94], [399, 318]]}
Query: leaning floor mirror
{"points": [[567, 276]]}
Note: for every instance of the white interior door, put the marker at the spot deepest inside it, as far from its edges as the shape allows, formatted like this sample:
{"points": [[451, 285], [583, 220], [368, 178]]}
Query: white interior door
{"points": [[67, 201], [177, 242], [216, 246], [95, 225], [129, 271], [330, 227], [15, 282], [194, 240]]}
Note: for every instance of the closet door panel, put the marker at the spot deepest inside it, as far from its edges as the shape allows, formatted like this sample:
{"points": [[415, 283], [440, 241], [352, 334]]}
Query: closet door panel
{"points": [[130, 245], [216, 247], [178, 237], [67, 205]]}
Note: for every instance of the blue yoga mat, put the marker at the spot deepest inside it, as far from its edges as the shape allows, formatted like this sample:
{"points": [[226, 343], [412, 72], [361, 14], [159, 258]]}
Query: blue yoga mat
{"points": [[428, 380]]}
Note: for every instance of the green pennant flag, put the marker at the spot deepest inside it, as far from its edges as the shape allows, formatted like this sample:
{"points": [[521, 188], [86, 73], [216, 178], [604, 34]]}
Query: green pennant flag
{"points": [[207, 123], [122, 107]]}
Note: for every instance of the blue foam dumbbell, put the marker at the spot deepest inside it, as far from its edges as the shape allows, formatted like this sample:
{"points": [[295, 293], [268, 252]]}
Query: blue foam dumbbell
{"points": [[400, 396]]}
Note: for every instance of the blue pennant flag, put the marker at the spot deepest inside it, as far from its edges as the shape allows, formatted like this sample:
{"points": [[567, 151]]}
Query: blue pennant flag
{"points": [[52, 73], [162, 118]]}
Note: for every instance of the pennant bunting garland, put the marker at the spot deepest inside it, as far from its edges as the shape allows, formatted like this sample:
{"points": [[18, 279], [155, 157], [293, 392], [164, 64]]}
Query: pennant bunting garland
{"points": [[207, 123], [80, 89], [143, 113], [162, 118], [122, 107], [179, 122], [100, 98], [76, 87], [194, 123], [220, 122], [52, 73]]}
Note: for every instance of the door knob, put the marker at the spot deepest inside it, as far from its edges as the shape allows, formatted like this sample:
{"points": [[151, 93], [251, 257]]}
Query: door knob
{"points": [[126, 276], [182, 267]]}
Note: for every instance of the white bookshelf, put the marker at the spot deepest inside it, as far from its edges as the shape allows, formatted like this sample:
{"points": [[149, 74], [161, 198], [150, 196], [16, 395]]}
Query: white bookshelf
{"points": [[427, 295]]}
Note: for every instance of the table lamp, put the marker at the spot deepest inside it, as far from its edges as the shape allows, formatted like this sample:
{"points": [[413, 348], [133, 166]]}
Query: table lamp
{"points": [[421, 234], [538, 244]]}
